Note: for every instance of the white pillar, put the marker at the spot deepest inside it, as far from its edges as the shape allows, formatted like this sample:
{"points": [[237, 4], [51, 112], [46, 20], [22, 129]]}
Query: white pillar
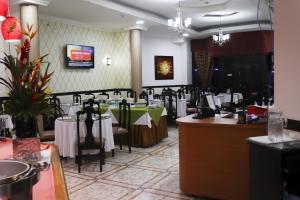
{"points": [[136, 60], [29, 15], [136, 56]]}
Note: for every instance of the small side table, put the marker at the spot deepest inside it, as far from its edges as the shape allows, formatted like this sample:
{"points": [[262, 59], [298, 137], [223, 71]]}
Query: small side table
{"points": [[271, 165]]}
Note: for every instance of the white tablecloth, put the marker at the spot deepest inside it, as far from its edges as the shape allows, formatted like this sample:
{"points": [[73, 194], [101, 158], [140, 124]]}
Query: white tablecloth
{"points": [[74, 109], [66, 135], [226, 98], [181, 107], [7, 121]]}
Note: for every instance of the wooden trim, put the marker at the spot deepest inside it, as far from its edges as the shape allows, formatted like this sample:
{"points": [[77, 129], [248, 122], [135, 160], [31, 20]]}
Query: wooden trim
{"points": [[61, 192]]}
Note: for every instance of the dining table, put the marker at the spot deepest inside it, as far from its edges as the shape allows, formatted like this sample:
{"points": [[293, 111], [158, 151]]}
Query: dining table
{"points": [[66, 134], [148, 123]]}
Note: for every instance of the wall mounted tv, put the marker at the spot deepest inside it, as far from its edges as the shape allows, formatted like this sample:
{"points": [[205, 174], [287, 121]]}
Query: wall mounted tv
{"points": [[79, 56]]}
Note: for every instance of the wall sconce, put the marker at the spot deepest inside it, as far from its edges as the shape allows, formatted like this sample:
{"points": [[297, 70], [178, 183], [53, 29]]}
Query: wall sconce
{"points": [[108, 61]]}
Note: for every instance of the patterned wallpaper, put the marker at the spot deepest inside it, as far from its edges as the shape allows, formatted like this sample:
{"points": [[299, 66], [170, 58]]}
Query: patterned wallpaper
{"points": [[55, 35]]}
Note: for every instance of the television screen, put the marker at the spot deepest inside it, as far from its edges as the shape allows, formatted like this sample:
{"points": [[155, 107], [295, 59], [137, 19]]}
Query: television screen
{"points": [[79, 56]]}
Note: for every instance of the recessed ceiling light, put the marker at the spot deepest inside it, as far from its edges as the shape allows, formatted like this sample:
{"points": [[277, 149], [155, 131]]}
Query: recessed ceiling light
{"points": [[139, 22], [185, 35]]}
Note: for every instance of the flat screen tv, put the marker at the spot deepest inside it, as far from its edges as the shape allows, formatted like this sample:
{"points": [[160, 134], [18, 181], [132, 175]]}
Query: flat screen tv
{"points": [[79, 56]]}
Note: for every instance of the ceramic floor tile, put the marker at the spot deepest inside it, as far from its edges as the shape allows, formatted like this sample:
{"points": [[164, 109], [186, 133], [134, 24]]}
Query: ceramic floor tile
{"points": [[145, 174], [124, 157], [169, 183], [100, 191], [169, 152], [93, 169], [73, 181], [158, 162], [133, 176]]}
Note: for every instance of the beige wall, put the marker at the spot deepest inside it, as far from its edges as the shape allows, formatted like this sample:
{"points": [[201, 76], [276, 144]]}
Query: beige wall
{"points": [[287, 57], [54, 36]]}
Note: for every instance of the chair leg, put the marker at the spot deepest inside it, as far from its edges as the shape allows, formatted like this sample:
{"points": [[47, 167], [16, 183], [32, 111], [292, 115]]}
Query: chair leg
{"points": [[103, 155], [79, 160], [113, 153], [120, 142], [129, 141], [101, 160]]}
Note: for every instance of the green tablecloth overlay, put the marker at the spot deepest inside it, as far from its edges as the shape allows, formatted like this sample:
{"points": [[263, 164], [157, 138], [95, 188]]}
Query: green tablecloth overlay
{"points": [[137, 112]]}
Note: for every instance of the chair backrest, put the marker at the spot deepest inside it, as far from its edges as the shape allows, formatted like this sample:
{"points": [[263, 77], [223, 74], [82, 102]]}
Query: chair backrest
{"points": [[92, 103], [89, 111], [116, 92], [76, 98], [150, 91], [181, 94], [124, 114], [104, 93], [144, 95], [157, 96], [131, 94], [54, 102], [90, 94]]}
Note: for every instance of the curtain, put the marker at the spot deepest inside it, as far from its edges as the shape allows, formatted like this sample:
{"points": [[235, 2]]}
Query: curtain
{"points": [[203, 62]]}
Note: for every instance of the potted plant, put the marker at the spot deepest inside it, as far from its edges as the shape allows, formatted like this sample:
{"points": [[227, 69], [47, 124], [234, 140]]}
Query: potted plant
{"points": [[28, 92]]}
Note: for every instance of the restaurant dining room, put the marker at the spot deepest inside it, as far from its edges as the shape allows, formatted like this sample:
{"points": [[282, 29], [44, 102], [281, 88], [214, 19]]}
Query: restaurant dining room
{"points": [[149, 100]]}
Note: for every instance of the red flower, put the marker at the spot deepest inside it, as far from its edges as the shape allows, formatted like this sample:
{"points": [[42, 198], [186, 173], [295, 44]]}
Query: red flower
{"points": [[25, 51]]}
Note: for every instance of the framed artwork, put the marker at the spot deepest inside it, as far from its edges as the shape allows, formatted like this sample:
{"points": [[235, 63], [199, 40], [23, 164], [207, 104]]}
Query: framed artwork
{"points": [[164, 69]]}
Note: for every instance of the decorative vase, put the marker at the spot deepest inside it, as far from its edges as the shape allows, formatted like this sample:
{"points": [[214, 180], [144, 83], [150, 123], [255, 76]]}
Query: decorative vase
{"points": [[26, 144]]}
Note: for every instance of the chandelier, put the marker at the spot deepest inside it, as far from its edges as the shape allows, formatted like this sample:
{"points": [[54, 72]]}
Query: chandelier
{"points": [[221, 38], [179, 24]]}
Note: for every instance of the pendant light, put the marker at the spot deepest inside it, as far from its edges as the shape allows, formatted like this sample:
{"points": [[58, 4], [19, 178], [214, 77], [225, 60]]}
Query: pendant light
{"points": [[3, 9], [11, 29]]}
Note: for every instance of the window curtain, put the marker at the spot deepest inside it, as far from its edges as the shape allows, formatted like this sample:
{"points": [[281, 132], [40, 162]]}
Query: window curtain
{"points": [[203, 62]]}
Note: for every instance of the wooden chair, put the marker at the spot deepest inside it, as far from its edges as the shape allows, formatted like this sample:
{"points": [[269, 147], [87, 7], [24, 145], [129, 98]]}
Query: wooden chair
{"points": [[131, 94], [104, 93], [89, 141], [144, 95], [157, 96], [90, 95], [116, 92], [76, 98], [124, 124], [54, 102], [92, 103]]}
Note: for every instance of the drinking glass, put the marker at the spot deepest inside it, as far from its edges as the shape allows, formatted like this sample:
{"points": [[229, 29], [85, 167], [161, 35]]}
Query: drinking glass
{"points": [[276, 123]]}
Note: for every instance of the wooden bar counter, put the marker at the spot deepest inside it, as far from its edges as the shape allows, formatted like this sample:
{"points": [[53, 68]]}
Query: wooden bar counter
{"points": [[213, 157]]}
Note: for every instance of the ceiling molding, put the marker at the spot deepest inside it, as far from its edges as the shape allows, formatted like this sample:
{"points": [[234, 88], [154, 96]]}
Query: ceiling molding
{"points": [[261, 22], [129, 11], [137, 27], [242, 28], [35, 2]]}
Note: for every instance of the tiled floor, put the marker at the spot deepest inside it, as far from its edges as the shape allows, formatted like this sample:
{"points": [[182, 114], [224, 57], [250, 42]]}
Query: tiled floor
{"points": [[145, 174]]}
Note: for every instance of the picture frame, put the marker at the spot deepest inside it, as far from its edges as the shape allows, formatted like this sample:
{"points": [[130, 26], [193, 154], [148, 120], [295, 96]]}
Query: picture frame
{"points": [[164, 67]]}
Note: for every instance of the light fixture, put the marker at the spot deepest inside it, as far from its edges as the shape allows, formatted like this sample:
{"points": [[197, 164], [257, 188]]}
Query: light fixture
{"points": [[185, 35], [179, 24], [221, 39], [3, 9], [11, 29], [108, 61], [139, 22]]}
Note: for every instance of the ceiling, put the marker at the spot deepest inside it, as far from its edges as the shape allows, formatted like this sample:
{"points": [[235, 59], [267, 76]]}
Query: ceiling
{"points": [[116, 15]]}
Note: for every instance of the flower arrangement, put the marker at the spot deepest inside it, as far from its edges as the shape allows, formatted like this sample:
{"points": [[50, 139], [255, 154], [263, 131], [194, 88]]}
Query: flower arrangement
{"points": [[28, 86]]}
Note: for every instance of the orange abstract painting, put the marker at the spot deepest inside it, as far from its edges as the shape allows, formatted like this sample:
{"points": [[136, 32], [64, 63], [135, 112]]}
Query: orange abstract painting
{"points": [[164, 69]]}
